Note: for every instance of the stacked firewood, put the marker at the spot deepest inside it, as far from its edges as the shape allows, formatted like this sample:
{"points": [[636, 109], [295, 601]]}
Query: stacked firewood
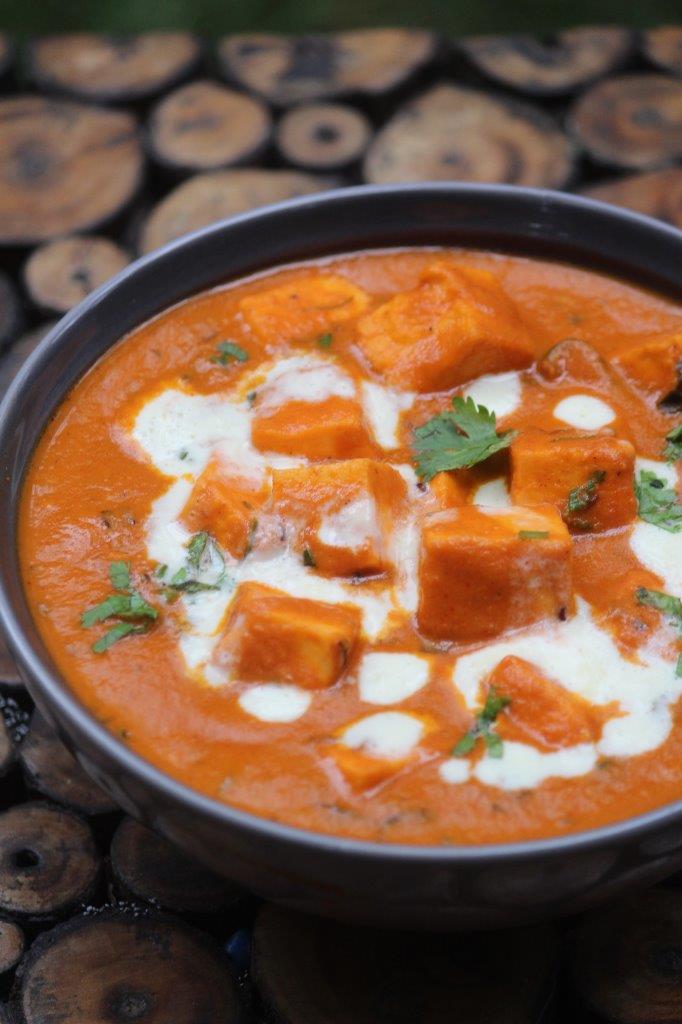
{"points": [[110, 148]]}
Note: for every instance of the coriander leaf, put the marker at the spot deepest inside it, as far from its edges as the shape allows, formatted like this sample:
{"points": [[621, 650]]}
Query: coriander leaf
{"points": [[116, 632], [196, 548], [325, 340], [658, 503], [309, 558], [678, 667], [494, 744], [229, 350], [458, 438], [139, 608], [666, 603], [673, 449], [495, 703], [584, 495], [119, 574], [161, 571], [178, 578], [194, 586], [466, 744], [533, 534], [115, 604]]}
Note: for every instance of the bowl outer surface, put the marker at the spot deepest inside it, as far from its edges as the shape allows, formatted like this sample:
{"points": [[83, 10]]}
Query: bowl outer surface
{"points": [[425, 887]]}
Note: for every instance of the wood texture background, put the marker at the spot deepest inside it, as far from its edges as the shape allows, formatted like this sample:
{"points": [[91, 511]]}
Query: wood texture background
{"points": [[108, 148]]}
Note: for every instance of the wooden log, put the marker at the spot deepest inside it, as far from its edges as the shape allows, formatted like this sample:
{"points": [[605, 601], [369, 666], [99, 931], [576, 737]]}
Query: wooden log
{"points": [[310, 970], [112, 69], [656, 193], [634, 121], [48, 861], [10, 364], [12, 942], [59, 274], [150, 868], [217, 194], [567, 62], [64, 167], [626, 959], [295, 69], [663, 47], [204, 126], [11, 313], [114, 968], [323, 136], [51, 770], [454, 134], [7, 53]]}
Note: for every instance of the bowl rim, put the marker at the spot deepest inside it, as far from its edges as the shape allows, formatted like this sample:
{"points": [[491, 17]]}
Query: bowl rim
{"points": [[55, 691]]}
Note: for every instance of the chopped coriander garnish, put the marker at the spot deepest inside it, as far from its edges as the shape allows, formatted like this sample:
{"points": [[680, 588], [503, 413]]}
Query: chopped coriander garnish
{"points": [[495, 703], [203, 555], [116, 632], [666, 603], [229, 350], [161, 571], [584, 495], [127, 604], [119, 574], [325, 340], [673, 449], [251, 398], [309, 558], [678, 667], [461, 437], [533, 534], [183, 454], [658, 503], [196, 548]]}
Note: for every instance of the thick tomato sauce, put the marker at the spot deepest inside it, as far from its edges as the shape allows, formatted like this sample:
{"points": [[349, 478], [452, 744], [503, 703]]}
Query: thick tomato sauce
{"points": [[88, 494]]}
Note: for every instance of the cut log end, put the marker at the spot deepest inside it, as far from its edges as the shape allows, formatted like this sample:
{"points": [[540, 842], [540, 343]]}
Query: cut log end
{"points": [[455, 134], [211, 196], [64, 167], [150, 868], [48, 861], [570, 60], [59, 274], [295, 69], [112, 69], [310, 970], [12, 944], [627, 959], [117, 968], [634, 121], [323, 136], [656, 193], [52, 771], [663, 47], [204, 126]]}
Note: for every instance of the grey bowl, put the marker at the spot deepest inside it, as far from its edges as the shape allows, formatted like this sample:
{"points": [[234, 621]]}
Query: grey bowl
{"points": [[427, 887]]}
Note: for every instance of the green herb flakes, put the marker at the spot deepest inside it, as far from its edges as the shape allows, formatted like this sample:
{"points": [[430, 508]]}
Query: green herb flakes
{"points": [[228, 351], [325, 340], [673, 449], [494, 705], [657, 503], [462, 437], [128, 604], [533, 534], [309, 558]]}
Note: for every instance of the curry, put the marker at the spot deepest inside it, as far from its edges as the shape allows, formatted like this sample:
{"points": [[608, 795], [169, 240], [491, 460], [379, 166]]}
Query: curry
{"points": [[387, 546]]}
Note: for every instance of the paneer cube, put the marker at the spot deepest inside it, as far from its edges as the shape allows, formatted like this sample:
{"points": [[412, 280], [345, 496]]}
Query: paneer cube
{"points": [[225, 504], [273, 637], [372, 750], [589, 478], [304, 309], [484, 572], [577, 362], [454, 326], [343, 513], [447, 490], [540, 711], [332, 429], [655, 364]]}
